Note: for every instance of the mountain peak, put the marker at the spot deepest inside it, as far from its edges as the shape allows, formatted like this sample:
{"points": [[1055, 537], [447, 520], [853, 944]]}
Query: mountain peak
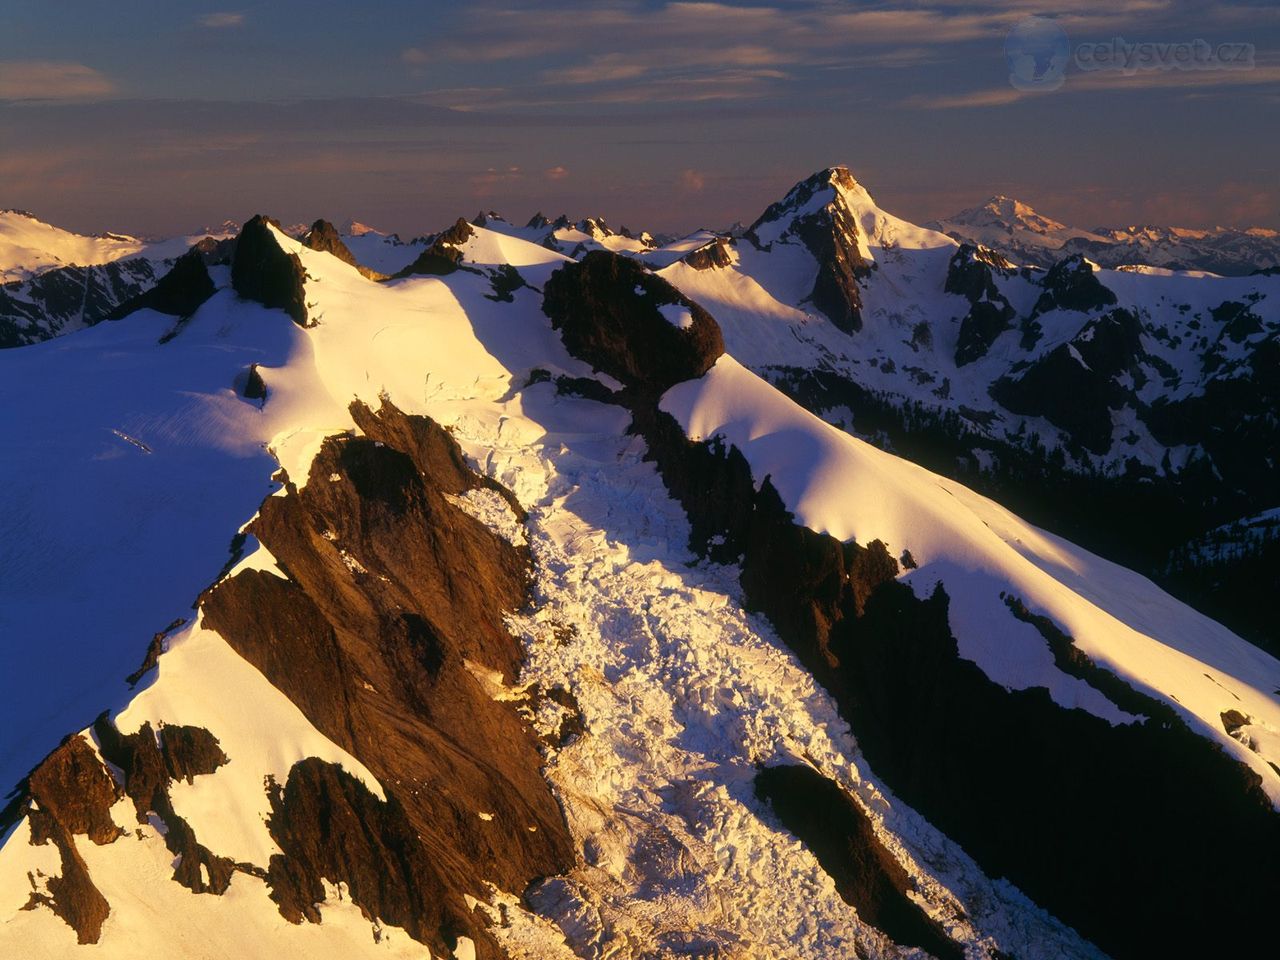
{"points": [[821, 213]]}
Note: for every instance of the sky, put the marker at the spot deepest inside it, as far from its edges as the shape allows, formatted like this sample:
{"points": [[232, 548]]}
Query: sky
{"points": [[156, 117]]}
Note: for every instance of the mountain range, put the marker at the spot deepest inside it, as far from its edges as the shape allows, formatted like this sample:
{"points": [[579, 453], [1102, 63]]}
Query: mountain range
{"points": [[1018, 232], [829, 587]]}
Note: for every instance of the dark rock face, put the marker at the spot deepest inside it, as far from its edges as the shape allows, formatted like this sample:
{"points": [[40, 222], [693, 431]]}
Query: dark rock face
{"points": [[216, 252], [1233, 419], [324, 236], [717, 253], [831, 235], [839, 834], [255, 388], [392, 591], [150, 764], [442, 255], [329, 825], [73, 793], [970, 274], [178, 293], [1074, 385], [606, 309], [66, 298], [263, 272], [1071, 284]]}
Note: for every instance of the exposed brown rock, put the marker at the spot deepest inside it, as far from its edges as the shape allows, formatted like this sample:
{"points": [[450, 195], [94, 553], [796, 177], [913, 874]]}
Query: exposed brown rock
{"points": [[714, 254], [72, 895], [442, 255], [71, 793], [329, 825], [73, 787], [149, 765], [324, 236], [392, 592]]}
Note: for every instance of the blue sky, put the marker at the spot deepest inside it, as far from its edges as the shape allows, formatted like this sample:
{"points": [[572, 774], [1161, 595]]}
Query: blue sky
{"points": [[157, 117]]}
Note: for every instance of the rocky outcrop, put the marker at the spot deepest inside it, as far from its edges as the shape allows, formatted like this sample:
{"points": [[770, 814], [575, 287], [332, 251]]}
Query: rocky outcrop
{"points": [[841, 837], [442, 255], [717, 253], [830, 233], [1075, 386], [71, 793], [150, 763], [329, 825], [1072, 284], [608, 311], [263, 272], [1233, 419], [389, 635], [214, 252], [970, 273], [324, 236], [178, 293]]}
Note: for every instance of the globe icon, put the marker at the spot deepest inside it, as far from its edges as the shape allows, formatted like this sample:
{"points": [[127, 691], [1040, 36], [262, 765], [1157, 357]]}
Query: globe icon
{"points": [[1037, 52]]}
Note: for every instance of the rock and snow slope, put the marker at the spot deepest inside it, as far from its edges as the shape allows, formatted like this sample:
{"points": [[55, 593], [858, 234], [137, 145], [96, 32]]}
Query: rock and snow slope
{"points": [[655, 694], [54, 282]]}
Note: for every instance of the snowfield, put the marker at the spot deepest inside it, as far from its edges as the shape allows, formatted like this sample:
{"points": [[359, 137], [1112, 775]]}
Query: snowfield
{"points": [[29, 247], [129, 464]]}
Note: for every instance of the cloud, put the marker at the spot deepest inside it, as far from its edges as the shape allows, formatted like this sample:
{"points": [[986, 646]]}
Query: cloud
{"points": [[1191, 81], [482, 184], [51, 80], [633, 51], [221, 21], [996, 97], [557, 173], [692, 180]]}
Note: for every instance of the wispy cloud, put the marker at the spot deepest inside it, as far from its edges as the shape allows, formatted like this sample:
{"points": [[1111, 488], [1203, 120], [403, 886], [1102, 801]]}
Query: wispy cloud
{"points": [[1192, 82], [51, 80], [222, 20], [995, 97], [696, 50]]}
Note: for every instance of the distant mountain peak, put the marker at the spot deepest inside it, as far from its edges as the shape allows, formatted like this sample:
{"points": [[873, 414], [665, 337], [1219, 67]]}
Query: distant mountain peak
{"points": [[354, 228]]}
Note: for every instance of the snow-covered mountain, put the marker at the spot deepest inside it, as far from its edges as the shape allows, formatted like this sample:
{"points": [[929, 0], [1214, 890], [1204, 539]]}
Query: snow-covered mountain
{"points": [[53, 281], [1018, 232], [1130, 410], [514, 601]]}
